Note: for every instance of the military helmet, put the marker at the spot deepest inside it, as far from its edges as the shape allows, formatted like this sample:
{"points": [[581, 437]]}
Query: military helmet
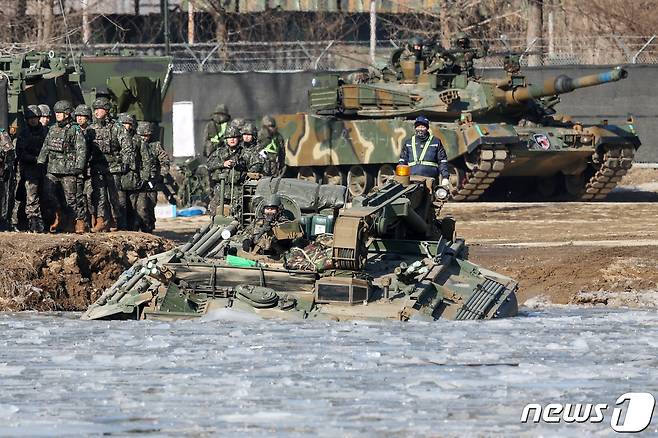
{"points": [[249, 128], [144, 128], [102, 103], [221, 109], [127, 118], [422, 120], [460, 38], [237, 123], [63, 106], [45, 110], [82, 110], [32, 111], [232, 132], [273, 200], [268, 121]]}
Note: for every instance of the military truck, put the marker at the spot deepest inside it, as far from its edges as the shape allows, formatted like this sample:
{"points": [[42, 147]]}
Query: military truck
{"points": [[135, 84], [493, 129], [387, 256]]}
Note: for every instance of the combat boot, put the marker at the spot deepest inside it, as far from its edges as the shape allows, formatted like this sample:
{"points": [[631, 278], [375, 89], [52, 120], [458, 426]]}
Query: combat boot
{"points": [[56, 222], [68, 225], [36, 225], [113, 225], [100, 225], [80, 226]]}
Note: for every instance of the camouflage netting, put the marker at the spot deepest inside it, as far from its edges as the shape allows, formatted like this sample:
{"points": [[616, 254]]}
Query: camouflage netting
{"points": [[308, 195]]}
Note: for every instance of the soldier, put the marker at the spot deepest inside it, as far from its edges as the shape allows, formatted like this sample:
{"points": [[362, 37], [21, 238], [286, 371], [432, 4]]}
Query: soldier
{"points": [[251, 149], [28, 146], [413, 50], [464, 54], [46, 115], [7, 179], [110, 143], [226, 165], [155, 164], [83, 118], [64, 154], [215, 129], [131, 181], [274, 151], [425, 154], [264, 236]]}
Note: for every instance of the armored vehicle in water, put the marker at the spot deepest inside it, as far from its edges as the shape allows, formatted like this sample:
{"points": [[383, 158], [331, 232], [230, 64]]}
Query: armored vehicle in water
{"points": [[387, 256], [493, 129]]}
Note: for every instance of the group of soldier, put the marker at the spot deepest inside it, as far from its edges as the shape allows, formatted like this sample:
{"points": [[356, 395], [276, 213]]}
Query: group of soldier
{"points": [[83, 171], [236, 149]]}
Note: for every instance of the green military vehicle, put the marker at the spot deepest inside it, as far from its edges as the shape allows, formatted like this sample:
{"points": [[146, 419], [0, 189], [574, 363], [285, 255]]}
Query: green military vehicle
{"points": [[135, 84], [492, 129], [387, 256]]}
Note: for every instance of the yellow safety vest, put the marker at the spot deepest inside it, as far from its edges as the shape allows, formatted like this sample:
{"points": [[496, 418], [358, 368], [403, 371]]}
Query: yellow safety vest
{"points": [[423, 152], [272, 147], [220, 134]]}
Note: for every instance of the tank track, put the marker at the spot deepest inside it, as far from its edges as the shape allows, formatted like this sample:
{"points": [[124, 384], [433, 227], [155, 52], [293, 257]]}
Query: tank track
{"points": [[491, 162], [615, 163]]}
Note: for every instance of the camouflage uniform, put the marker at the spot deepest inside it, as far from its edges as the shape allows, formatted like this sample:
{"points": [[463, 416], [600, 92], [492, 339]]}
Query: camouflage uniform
{"points": [[214, 131], [31, 174], [149, 172], [65, 154], [260, 236], [232, 176], [84, 179], [131, 181], [110, 155], [160, 167], [273, 151], [7, 179], [251, 150], [316, 256]]}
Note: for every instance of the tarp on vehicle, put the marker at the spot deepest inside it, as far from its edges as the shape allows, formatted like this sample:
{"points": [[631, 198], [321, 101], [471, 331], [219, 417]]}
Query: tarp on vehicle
{"points": [[308, 195]]}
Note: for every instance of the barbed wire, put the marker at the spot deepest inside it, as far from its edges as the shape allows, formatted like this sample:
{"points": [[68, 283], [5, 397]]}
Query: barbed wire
{"points": [[348, 55]]}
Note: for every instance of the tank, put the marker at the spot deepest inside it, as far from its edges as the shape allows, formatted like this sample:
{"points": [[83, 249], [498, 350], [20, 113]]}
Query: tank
{"points": [[494, 130], [135, 84], [389, 255]]}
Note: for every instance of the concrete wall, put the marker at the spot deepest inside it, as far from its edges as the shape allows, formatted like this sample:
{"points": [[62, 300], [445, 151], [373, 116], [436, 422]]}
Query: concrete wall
{"points": [[254, 94]]}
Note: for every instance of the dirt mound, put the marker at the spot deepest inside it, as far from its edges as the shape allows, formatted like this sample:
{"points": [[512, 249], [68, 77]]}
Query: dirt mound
{"points": [[66, 272], [570, 274]]}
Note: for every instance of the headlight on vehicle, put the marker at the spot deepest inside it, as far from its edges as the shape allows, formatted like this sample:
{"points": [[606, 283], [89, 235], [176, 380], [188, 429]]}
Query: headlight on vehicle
{"points": [[441, 194], [586, 139]]}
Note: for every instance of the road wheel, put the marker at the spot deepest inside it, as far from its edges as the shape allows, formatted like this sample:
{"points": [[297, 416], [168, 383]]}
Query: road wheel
{"points": [[385, 172], [307, 174], [333, 175], [359, 181]]}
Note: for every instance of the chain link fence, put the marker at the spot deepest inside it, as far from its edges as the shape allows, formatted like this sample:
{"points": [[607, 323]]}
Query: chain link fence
{"points": [[349, 55]]}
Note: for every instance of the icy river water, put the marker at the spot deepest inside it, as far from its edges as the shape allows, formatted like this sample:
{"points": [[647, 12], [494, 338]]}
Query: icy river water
{"points": [[231, 374]]}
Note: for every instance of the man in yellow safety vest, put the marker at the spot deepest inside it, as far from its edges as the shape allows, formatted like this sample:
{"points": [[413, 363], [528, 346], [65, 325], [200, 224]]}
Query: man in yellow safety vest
{"points": [[425, 154]]}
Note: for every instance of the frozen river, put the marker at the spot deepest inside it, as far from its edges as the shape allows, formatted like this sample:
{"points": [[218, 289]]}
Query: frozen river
{"points": [[231, 374]]}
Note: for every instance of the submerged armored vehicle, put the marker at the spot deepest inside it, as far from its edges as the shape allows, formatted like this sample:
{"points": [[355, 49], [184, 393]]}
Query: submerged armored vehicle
{"points": [[491, 128], [388, 256]]}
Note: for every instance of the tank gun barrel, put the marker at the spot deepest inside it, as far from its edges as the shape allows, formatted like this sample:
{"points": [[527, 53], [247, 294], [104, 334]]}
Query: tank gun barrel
{"points": [[562, 84]]}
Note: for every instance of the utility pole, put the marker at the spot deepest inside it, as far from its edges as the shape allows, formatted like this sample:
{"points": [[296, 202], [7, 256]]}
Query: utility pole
{"points": [[86, 28], [165, 14], [534, 31], [373, 29], [190, 22]]}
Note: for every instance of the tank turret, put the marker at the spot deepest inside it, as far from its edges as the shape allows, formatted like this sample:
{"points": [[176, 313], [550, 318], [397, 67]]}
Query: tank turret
{"points": [[442, 97]]}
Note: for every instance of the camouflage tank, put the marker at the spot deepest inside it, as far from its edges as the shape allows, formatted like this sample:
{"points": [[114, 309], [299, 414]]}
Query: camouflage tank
{"points": [[388, 256], [135, 84], [492, 129]]}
